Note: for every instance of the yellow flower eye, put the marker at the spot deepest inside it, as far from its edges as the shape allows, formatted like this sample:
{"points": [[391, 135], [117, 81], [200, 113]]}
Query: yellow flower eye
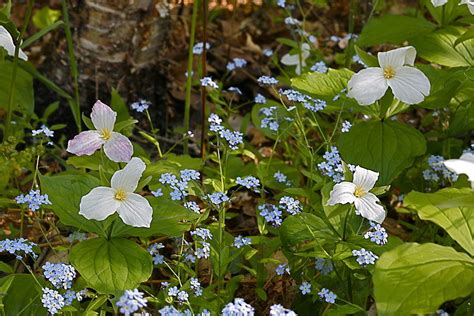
{"points": [[388, 72]]}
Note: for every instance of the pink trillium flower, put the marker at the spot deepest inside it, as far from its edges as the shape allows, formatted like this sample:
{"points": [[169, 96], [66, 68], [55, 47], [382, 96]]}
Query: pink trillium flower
{"points": [[133, 209], [116, 146]]}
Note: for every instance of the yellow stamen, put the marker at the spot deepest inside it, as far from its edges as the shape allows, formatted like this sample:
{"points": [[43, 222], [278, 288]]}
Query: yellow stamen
{"points": [[359, 192], [120, 195], [388, 72], [105, 134]]}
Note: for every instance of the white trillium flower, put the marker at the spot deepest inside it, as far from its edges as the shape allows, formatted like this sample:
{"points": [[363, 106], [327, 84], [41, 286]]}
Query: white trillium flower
{"points": [[396, 71], [463, 165], [357, 193], [439, 3], [470, 5], [294, 60], [6, 41], [116, 146], [133, 209]]}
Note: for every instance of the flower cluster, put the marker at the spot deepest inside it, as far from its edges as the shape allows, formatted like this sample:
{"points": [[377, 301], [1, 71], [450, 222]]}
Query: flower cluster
{"points": [[327, 296], [203, 233], [281, 269], [271, 213], [438, 170], [43, 130], [278, 310], [267, 81], [280, 177], [19, 247], [364, 257], [193, 206], [179, 185], [60, 274], [308, 102], [233, 138], [249, 182], [236, 63], [131, 301], [320, 66], [208, 82], [141, 105], [260, 99], [376, 234], [292, 21], [290, 205], [154, 251], [240, 241], [305, 288], [323, 265], [198, 48], [34, 199], [332, 166], [269, 119], [346, 126], [52, 300], [218, 198], [195, 286], [238, 308]]}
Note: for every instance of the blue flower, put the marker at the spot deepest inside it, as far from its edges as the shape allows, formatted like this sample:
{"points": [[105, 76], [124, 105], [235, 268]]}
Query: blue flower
{"points": [[323, 265], [154, 251], [268, 52], [267, 81], [207, 82], [376, 234], [34, 200], [141, 105], [69, 297], [203, 252], [356, 59], [292, 21], [346, 126], [52, 301], [157, 193], [19, 247], [236, 63], [238, 308], [280, 177], [203, 233], [327, 296], [271, 213], [218, 198], [196, 286], [131, 301], [320, 66], [438, 170], [364, 257], [249, 182], [60, 275], [332, 166], [199, 47], [291, 205], [182, 296], [240, 241], [260, 99], [305, 288], [43, 130], [192, 206], [281, 3], [269, 121], [281, 269], [278, 310]]}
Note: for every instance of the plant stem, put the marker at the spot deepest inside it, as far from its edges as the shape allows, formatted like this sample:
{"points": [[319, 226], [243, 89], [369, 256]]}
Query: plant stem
{"points": [[73, 103], [189, 79], [346, 219], [11, 96], [203, 89]]}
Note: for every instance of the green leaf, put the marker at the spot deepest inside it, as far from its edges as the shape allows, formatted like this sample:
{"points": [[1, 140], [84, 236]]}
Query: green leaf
{"points": [[111, 266], [45, 17], [118, 105], [438, 47], [463, 120], [469, 34], [23, 88], [393, 29], [369, 60], [323, 85], [65, 193], [21, 295], [386, 147], [452, 209], [414, 278], [6, 268]]}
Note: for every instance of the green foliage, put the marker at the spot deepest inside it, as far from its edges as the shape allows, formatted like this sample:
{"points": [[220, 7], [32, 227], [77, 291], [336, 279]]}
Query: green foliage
{"points": [[323, 85], [387, 147], [414, 278], [21, 295], [111, 265], [45, 17], [23, 88]]}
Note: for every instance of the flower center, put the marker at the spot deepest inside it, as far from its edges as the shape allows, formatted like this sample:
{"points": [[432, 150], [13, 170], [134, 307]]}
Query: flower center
{"points": [[120, 195], [359, 192], [388, 72], [105, 134]]}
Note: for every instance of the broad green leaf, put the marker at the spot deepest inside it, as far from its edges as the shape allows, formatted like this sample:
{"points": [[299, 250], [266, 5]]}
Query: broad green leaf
{"points": [[439, 47], [452, 209], [369, 60], [386, 147], [323, 85], [21, 295], [65, 193], [169, 219], [414, 278], [463, 120], [23, 88], [469, 34], [119, 106], [111, 266], [393, 29]]}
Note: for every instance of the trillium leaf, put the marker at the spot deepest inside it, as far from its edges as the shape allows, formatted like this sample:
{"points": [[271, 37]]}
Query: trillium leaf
{"points": [[452, 209], [323, 85], [23, 88], [65, 193], [396, 30], [417, 279], [385, 147], [439, 47], [111, 266]]}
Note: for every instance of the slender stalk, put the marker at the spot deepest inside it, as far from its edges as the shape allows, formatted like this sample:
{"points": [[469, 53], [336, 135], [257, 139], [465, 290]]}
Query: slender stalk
{"points": [[189, 79], [75, 103], [11, 96], [346, 219], [203, 89]]}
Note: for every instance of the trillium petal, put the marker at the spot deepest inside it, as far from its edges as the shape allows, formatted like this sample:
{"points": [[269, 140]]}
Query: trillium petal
{"points": [[99, 203], [290, 60], [127, 178], [103, 117], [410, 85], [85, 143], [118, 148], [438, 3], [135, 211], [368, 208], [365, 178], [367, 86], [6, 41], [397, 57], [470, 5], [463, 165], [342, 193]]}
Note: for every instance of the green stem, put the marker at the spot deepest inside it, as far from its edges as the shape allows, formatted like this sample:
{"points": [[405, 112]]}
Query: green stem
{"points": [[189, 79], [346, 219], [75, 103]]}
